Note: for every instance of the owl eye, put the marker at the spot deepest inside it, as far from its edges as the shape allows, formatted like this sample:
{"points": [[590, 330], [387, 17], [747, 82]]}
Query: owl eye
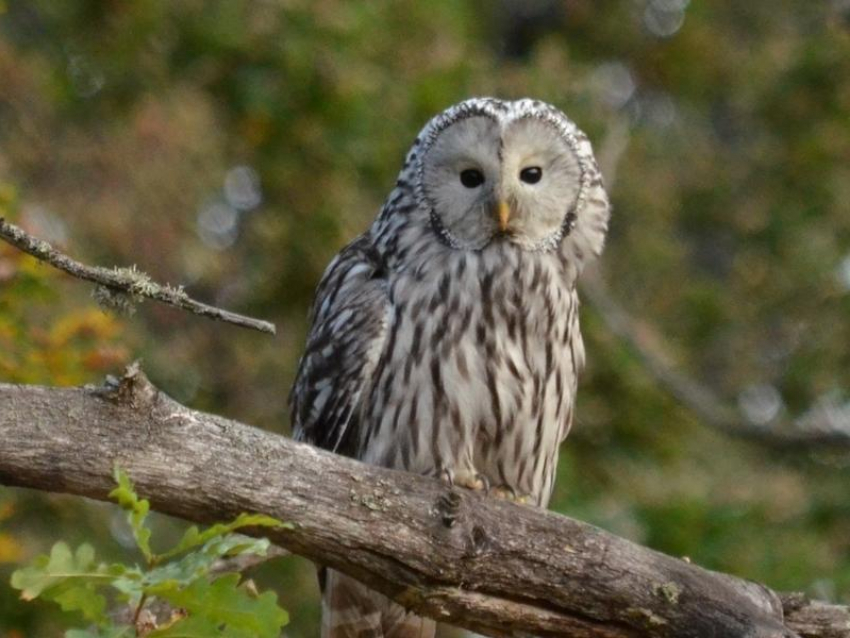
{"points": [[531, 174], [471, 178]]}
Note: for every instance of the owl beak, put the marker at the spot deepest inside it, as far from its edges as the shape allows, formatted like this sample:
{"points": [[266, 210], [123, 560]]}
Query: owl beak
{"points": [[503, 214]]}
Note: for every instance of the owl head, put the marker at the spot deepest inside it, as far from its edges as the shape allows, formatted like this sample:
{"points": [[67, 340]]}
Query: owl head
{"points": [[488, 170]]}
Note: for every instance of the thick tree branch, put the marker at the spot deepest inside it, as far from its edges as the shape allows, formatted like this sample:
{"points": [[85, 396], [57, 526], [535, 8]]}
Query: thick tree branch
{"points": [[121, 287], [481, 563]]}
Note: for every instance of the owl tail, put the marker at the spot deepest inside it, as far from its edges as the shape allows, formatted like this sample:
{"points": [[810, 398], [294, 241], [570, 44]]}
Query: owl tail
{"points": [[352, 610]]}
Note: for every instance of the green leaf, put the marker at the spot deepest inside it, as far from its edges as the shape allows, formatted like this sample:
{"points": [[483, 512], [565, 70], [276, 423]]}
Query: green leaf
{"points": [[129, 582], [47, 571], [227, 605], [83, 598], [197, 564], [68, 578], [218, 608], [198, 627], [137, 511], [193, 538], [122, 631]]}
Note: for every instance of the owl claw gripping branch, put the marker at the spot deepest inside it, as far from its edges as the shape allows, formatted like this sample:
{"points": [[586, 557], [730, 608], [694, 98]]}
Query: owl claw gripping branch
{"points": [[445, 340], [473, 481]]}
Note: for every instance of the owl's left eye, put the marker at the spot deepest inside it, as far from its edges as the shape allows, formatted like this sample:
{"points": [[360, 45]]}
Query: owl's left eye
{"points": [[471, 178], [531, 174]]}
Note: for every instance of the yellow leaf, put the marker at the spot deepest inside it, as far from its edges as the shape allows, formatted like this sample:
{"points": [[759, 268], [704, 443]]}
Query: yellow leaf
{"points": [[90, 323], [7, 508], [10, 550]]}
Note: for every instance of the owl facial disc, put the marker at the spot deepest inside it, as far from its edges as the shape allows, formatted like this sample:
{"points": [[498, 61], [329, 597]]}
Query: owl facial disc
{"points": [[490, 170]]}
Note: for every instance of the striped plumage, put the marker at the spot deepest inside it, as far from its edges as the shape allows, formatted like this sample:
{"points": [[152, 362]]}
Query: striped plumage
{"points": [[445, 340]]}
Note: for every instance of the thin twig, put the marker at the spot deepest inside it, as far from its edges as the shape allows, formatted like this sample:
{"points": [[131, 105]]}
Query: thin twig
{"points": [[138, 612], [119, 288]]}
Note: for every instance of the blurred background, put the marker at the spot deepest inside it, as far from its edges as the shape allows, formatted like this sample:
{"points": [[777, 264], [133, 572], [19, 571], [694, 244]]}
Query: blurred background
{"points": [[234, 147]]}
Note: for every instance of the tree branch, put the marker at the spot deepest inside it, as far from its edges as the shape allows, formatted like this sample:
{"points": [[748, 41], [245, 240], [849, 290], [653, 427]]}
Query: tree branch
{"points": [[485, 564], [699, 398], [818, 429], [119, 288]]}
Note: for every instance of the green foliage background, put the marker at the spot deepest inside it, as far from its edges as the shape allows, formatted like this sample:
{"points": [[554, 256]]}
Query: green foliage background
{"points": [[121, 125]]}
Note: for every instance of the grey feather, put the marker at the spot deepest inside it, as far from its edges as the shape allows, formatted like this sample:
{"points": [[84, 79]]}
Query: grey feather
{"points": [[348, 329]]}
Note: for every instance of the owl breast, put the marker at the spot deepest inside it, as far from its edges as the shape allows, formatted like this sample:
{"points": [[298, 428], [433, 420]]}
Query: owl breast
{"points": [[478, 374]]}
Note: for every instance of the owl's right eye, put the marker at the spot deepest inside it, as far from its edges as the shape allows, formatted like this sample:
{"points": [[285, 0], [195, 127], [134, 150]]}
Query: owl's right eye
{"points": [[471, 178]]}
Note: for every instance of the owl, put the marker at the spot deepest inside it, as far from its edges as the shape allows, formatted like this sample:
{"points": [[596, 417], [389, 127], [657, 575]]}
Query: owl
{"points": [[445, 340]]}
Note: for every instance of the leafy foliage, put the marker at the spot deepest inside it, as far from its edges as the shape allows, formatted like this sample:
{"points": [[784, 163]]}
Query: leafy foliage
{"points": [[75, 341], [210, 604], [69, 578], [221, 603]]}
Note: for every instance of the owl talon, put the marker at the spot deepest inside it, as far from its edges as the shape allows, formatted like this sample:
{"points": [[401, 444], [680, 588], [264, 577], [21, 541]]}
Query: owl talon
{"points": [[470, 480], [505, 492], [447, 477], [508, 493]]}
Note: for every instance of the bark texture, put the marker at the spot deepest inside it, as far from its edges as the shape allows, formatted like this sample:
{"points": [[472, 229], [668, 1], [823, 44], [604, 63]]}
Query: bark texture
{"points": [[488, 565]]}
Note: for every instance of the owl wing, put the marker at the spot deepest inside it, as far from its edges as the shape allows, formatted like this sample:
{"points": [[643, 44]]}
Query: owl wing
{"points": [[349, 325]]}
